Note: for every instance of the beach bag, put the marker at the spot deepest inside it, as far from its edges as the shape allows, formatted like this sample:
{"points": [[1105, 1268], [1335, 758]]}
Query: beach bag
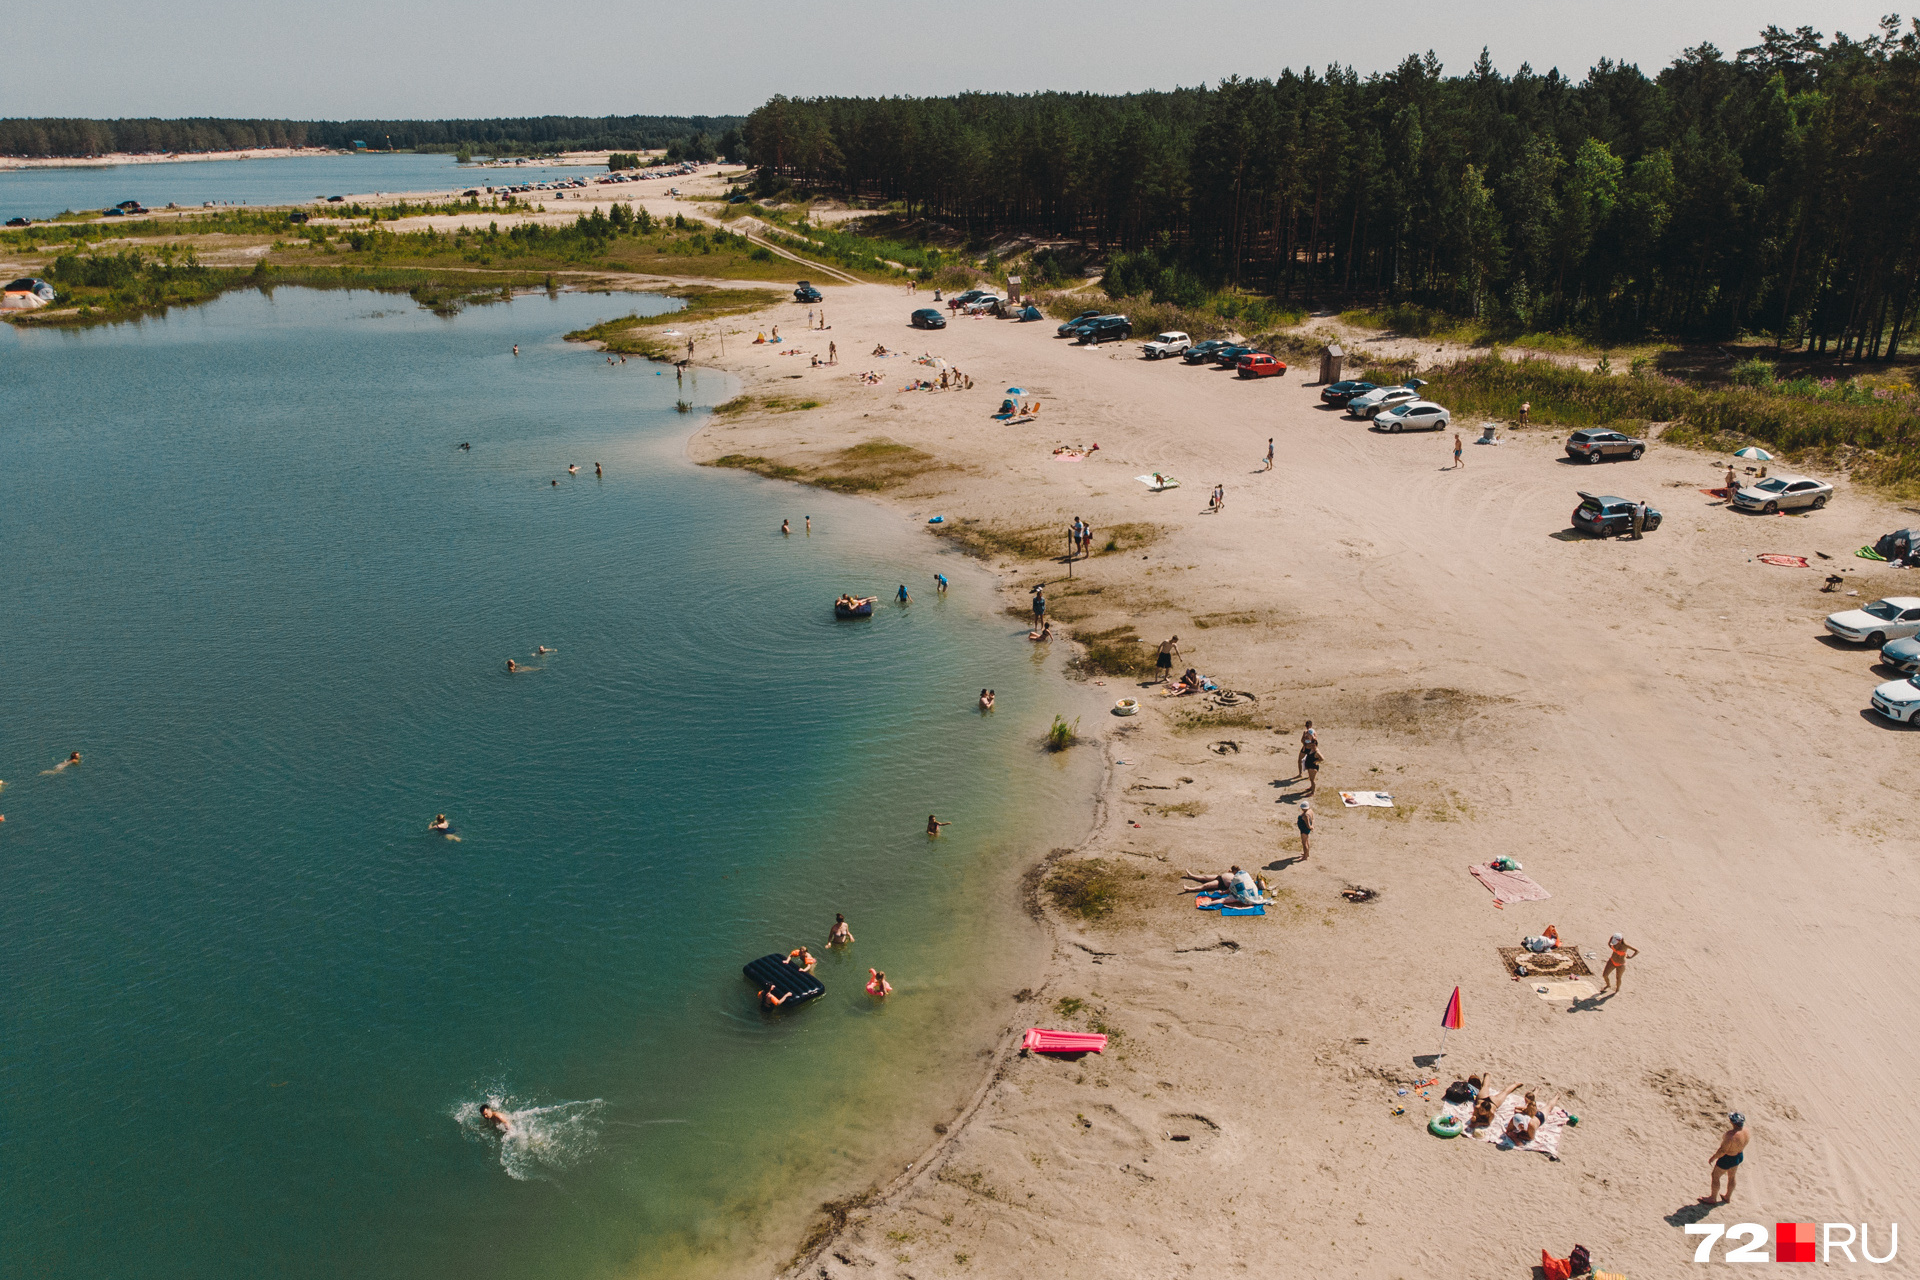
{"points": [[1458, 1091], [1580, 1262], [1556, 1268]]}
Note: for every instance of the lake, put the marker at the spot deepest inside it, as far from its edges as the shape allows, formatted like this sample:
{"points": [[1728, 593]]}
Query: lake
{"points": [[254, 1006], [280, 180]]}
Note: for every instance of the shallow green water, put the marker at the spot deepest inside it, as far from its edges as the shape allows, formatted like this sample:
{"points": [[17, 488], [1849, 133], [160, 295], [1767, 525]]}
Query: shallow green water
{"points": [[252, 1005]]}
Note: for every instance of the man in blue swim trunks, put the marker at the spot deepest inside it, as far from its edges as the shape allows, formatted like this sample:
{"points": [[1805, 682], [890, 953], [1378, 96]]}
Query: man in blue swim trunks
{"points": [[1726, 1159]]}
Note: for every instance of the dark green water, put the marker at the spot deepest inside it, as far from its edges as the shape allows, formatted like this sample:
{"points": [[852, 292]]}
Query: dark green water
{"points": [[251, 1006]]}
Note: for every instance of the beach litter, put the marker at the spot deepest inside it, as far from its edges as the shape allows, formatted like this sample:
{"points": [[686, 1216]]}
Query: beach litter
{"points": [[1366, 799], [1507, 886]]}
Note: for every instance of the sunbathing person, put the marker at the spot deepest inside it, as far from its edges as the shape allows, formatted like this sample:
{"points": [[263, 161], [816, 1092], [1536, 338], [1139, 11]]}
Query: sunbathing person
{"points": [[1525, 1122], [1486, 1106], [1233, 881]]}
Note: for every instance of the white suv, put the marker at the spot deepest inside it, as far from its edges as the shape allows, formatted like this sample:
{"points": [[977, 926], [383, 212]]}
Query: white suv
{"points": [[1167, 344]]}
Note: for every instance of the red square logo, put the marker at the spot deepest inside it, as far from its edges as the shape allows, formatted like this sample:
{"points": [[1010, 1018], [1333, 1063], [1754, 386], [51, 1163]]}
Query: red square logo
{"points": [[1793, 1242]]}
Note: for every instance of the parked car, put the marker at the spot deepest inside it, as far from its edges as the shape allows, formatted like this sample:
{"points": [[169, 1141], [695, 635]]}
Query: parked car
{"points": [[1203, 352], [1412, 415], [927, 318], [1258, 364], [1365, 406], [1105, 329], [1603, 517], [962, 299], [1779, 493], [1171, 343], [1597, 445], [19, 222], [1341, 392], [1897, 700], [1066, 330], [1228, 357], [805, 292], [985, 302], [1894, 618], [1903, 654]]}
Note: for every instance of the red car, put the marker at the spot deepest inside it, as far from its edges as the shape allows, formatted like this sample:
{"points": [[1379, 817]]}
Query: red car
{"points": [[1259, 364]]}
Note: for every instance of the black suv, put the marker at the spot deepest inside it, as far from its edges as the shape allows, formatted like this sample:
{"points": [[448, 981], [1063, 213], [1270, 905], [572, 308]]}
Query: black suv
{"points": [[805, 292], [1069, 329], [1592, 446], [1105, 329], [1603, 517]]}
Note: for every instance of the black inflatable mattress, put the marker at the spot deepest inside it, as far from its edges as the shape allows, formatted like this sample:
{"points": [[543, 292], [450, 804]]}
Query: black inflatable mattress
{"points": [[774, 971]]}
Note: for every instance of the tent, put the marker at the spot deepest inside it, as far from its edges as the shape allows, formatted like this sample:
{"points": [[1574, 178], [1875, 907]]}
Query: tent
{"points": [[1898, 545]]}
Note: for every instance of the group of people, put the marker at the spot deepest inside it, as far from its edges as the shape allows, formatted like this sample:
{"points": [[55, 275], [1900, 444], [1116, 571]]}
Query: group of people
{"points": [[1080, 537], [986, 699], [1238, 886], [805, 961], [1217, 500], [786, 527]]}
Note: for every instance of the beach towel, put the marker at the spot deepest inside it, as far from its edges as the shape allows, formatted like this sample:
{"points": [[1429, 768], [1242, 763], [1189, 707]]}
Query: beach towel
{"points": [[1165, 482], [1255, 910], [1069, 457], [1507, 886], [1360, 799], [1546, 1139], [1868, 553], [1785, 562], [1040, 1040], [1718, 493]]}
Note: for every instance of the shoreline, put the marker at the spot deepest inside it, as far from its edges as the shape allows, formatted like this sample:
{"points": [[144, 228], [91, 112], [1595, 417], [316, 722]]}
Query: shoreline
{"points": [[1298, 591], [123, 158]]}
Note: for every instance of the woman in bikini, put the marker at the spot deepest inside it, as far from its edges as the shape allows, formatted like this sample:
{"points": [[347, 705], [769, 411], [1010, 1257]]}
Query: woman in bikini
{"points": [[1305, 824], [840, 934], [1616, 965]]}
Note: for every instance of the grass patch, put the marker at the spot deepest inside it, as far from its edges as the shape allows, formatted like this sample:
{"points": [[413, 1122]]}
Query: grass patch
{"points": [[1029, 542], [1131, 535], [628, 335], [1069, 1006], [1194, 721], [1061, 735], [1207, 620], [1117, 651], [759, 466], [873, 465], [1185, 809], [766, 404]]}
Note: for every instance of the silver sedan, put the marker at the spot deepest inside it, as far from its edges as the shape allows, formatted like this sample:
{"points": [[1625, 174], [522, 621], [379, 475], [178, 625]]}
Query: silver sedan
{"points": [[1782, 493]]}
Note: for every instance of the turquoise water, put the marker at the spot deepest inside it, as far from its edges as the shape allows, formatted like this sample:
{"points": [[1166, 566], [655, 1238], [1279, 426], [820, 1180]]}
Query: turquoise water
{"points": [[252, 1006], [47, 192]]}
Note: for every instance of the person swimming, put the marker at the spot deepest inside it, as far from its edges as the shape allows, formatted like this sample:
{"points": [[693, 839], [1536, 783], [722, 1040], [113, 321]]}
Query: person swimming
{"points": [[802, 959], [986, 699], [934, 824], [877, 984], [495, 1118], [840, 933], [786, 527], [74, 758], [439, 823], [902, 595], [573, 469], [540, 649], [466, 445], [768, 1000], [511, 665], [64, 765]]}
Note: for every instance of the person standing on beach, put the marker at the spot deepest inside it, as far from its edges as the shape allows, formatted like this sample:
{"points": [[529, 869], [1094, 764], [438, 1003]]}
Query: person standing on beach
{"points": [[1309, 741], [1639, 519], [1310, 765], [1269, 453], [833, 352], [1039, 603], [1163, 660], [1305, 825], [1727, 1158], [1616, 966], [1457, 462], [1732, 486]]}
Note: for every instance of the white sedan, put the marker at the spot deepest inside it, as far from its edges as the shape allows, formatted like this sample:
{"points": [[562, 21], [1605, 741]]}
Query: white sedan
{"points": [[1898, 699], [1778, 493], [1879, 622], [1365, 406], [1412, 415]]}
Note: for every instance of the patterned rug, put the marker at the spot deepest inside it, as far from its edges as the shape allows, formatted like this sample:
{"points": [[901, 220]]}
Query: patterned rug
{"points": [[1561, 962]]}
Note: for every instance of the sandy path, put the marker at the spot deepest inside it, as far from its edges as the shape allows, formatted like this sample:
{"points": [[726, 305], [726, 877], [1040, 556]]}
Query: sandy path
{"points": [[1655, 729]]}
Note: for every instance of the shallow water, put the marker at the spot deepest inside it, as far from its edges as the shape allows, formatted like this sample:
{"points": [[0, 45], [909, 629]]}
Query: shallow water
{"points": [[280, 180], [254, 1007]]}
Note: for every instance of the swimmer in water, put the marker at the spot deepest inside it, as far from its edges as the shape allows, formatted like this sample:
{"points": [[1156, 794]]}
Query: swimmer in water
{"points": [[556, 484], [495, 1118], [511, 666], [573, 469], [934, 824], [840, 932], [877, 984], [439, 823], [540, 649], [516, 348], [786, 527], [986, 699], [63, 765], [74, 758], [768, 1000], [467, 445], [596, 466], [802, 959]]}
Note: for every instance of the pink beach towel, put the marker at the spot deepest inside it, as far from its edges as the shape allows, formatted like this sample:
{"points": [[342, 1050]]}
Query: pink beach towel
{"points": [[1546, 1138], [1507, 886], [1040, 1040]]}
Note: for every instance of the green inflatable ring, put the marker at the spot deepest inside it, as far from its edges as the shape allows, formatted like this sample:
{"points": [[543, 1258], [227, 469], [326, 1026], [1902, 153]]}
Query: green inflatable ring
{"points": [[1445, 1126]]}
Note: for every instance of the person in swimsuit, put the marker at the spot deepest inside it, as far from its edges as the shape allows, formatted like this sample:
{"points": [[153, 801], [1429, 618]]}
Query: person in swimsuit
{"points": [[596, 466], [1726, 1159], [1044, 634], [495, 1118], [934, 824], [839, 934], [1305, 823], [74, 758], [801, 959], [540, 649], [1228, 881], [768, 1000], [516, 348], [786, 528], [511, 666], [1269, 453], [1486, 1105], [1457, 463], [986, 699], [1169, 650], [1524, 1124], [1309, 740], [1616, 965], [573, 469], [877, 984], [439, 823], [1310, 765], [467, 445]]}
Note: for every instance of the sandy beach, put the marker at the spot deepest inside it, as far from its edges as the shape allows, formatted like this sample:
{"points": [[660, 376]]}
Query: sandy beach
{"points": [[168, 157], [1659, 731]]}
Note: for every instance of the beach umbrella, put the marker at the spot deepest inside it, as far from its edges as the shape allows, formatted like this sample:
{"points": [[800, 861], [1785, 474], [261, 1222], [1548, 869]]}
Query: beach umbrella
{"points": [[1753, 454], [1449, 1021]]}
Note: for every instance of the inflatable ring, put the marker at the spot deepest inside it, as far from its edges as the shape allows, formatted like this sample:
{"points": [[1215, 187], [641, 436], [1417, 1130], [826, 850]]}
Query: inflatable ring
{"points": [[1126, 707], [1446, 1126]]}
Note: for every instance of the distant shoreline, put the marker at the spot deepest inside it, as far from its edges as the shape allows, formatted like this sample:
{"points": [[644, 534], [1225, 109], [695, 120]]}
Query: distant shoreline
{"points": [[270, 153]]}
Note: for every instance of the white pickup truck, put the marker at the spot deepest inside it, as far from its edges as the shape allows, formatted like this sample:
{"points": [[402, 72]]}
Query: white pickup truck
{"points": [[1167, 344]]}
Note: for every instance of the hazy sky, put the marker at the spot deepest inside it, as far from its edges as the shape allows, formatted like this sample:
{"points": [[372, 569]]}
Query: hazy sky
{"points": [[431, 58]]}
